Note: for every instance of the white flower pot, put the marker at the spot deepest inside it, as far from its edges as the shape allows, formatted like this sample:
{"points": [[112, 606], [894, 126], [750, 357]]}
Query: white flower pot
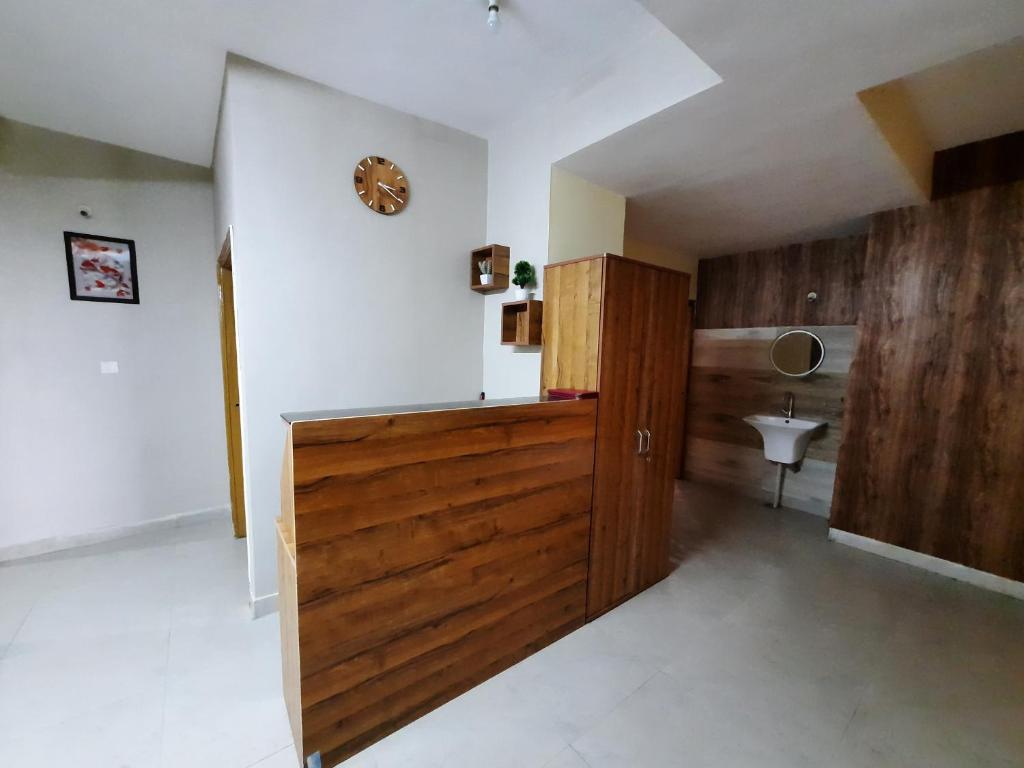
{"points": [[523, 293], [486, 279]]}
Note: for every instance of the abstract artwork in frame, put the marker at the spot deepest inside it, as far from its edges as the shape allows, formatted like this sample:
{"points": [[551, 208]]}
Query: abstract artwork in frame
{"points": [[101, 268]]}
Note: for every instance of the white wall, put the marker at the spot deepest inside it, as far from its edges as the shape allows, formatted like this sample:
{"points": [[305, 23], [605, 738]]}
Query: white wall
{"points": [[338, 306], [521, 155], [81, 451], [518, 206], [585, 219], [641, 250]]}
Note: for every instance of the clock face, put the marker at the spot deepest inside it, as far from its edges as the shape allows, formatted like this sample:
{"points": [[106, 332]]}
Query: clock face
{"points": [[381, 185]]}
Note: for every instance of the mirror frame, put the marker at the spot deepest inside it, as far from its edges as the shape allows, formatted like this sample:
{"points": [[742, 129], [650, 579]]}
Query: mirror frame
{"points": [[780, 337]]}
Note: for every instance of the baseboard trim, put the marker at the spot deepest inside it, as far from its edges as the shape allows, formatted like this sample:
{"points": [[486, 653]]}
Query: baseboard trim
{"points": [[937, 565], [61, 543], [263, 606]]}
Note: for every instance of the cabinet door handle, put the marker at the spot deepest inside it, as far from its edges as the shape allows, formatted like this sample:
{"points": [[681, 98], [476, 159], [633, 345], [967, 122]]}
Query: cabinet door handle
{"points": [[640, 443], [647, 434]]}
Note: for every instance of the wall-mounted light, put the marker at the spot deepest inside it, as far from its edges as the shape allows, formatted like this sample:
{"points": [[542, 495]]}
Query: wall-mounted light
{"points": [[492, 15]]}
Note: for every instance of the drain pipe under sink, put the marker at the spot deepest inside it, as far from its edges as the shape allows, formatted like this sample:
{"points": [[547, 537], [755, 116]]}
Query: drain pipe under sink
{"points": [[778, 486]]}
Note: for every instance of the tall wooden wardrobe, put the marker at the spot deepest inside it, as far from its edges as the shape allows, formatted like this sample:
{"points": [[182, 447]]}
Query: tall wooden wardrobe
{"points": [[622, 327]]}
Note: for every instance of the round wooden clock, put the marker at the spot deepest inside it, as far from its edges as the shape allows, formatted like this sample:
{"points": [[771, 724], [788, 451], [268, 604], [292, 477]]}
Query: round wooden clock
{"points": [[381, 185]]}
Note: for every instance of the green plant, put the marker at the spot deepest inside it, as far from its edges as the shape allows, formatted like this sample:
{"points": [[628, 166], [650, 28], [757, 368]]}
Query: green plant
{"points": [[485, 266], [524, 274]]}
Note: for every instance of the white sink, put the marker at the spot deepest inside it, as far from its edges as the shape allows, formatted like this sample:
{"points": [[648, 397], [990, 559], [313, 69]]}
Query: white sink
{"points": [[785, 440]]}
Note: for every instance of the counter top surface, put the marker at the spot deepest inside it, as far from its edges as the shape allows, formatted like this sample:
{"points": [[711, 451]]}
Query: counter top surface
{"points": [[386, 410]]}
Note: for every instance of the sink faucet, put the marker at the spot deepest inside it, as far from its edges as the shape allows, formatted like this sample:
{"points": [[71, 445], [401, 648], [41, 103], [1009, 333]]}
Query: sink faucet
{"points": [[788, 409]]}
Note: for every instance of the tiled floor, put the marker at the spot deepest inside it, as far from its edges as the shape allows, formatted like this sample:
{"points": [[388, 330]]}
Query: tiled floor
{"points": [[138, 653], [768, 646]]}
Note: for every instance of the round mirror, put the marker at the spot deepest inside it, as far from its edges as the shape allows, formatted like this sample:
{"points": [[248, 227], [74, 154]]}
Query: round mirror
{"points": [[797, 353]]}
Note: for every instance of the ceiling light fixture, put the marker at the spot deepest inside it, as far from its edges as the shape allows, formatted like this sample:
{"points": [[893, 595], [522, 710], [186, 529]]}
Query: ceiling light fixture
{"points": [[492, 15]]}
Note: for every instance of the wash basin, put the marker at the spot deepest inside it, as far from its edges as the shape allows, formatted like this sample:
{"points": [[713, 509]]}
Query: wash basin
{"points": [[785, 440]]}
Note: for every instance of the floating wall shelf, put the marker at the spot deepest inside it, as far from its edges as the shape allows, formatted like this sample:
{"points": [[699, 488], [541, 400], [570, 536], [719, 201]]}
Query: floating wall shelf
{"points": [[521, 323], [498, 256]]}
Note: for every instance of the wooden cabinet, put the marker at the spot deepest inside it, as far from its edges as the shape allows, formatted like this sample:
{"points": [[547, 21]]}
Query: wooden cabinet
{"points": [[624, 325]]}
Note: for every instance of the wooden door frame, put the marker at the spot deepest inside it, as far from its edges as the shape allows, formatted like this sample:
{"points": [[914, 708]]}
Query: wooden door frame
{"points": [[229, 371]]}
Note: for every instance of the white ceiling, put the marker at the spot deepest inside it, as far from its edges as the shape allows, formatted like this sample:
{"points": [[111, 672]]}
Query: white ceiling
{"points": [[147, 75], [970, 98], [781, 150]]}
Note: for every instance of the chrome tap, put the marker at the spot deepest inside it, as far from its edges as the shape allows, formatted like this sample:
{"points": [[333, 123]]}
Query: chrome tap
{"points": [[788, 409]]}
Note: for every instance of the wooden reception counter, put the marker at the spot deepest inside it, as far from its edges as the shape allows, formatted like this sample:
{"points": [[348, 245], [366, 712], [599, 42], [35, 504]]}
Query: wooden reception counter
{"points": [[423, 550]]}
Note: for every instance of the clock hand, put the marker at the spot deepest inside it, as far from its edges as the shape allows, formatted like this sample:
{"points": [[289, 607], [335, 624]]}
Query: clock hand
{"points": [[387, 189]]}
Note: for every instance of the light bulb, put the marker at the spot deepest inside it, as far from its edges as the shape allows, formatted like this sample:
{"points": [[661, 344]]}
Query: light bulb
{"points": [[492, 16]]}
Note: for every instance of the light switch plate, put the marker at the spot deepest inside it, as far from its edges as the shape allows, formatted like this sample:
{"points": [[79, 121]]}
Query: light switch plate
{"points": [[108, 366]]}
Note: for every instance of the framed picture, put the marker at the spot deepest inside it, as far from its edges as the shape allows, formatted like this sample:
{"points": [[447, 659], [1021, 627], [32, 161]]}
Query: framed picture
{"points": [[101, 268]]}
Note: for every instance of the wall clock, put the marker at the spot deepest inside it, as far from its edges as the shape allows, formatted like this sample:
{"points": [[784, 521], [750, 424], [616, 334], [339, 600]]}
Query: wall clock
{"points": [[381, 185]]}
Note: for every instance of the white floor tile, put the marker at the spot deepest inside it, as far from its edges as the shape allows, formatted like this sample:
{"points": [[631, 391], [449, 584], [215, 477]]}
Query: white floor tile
{"points": [[889, 735], [767, 646], [285, 758], [120, 734], [45, 684], [567, 758], [493, 725], [21, 586], [579, 679], [666, 723], [223, 703]]}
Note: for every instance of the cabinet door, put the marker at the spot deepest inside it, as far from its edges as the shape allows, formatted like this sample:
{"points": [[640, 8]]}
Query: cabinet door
{"points": [[663, 395], [571, 325], [619, 470]]}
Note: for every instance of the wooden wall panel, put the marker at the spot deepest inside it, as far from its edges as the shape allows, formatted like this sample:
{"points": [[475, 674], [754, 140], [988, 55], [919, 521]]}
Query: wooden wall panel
{"points": [[745, 471], [979, 164], [572, 325], [433, 550], [932, 457], [770, 287], [732, 377]]}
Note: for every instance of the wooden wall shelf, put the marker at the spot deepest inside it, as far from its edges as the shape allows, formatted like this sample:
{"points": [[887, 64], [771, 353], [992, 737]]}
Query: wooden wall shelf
{"points": [[521, 323], [499, 256]]}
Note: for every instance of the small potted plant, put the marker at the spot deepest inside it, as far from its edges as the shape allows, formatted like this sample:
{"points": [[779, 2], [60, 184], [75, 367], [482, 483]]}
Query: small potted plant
{"points": [[486, 271], [524, 277]]}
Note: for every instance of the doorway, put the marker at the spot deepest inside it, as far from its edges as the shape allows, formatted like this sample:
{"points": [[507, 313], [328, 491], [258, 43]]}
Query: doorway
{"points": [[229, 363]]}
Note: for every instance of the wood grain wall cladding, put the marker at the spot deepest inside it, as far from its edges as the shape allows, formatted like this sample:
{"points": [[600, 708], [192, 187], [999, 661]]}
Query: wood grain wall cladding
{"points": [[770, 287], [932, 457], [979, 164], [745, 471], [732, 377], [433, 550]]}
